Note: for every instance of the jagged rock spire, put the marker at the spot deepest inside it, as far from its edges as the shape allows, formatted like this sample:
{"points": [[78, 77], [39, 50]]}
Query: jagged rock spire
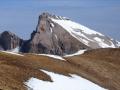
{"points": [[9, 40]]}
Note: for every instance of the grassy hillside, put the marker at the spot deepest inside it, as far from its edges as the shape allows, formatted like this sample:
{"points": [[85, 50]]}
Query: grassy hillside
{"points": [[101, 66]]}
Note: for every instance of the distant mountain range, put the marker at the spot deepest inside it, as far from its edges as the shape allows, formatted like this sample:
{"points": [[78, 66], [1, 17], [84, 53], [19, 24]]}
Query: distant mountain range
{"points": [[57, 35]]}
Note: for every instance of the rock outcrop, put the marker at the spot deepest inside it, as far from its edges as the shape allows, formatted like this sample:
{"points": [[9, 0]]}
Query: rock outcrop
{"points": [[9, 41]]}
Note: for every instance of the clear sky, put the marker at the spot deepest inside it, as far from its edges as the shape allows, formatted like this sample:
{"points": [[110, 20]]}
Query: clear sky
{"points": [[21, 16]]}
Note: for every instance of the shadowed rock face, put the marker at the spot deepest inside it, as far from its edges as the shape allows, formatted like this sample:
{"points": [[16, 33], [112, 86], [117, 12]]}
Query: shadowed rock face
{"points": [[51, 38], [9, 41]]}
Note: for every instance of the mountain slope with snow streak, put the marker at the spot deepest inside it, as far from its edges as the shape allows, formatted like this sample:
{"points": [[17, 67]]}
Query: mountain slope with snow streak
{"points": [[92, 68], [52, 56], [77, 53], [85, 35], [12, 53]]}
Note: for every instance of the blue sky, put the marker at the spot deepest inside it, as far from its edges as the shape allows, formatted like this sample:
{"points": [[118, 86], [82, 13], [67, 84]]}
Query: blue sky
{"points": [[21, 16]]}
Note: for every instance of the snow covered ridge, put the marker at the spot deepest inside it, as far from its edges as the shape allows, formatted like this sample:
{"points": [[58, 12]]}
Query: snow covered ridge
{"points": [[77, 53], [16, 52], [61, 82], [52, 56], [57, 17], [62, 58], [85, 35], [13, 53]]}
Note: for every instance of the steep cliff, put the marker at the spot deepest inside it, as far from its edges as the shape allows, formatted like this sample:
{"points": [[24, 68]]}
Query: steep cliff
{"points": [[51, 38], [9, 41]]}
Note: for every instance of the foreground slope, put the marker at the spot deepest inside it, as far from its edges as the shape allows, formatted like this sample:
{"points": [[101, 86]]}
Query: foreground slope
{"points": [[94, 65], [100, 65]]}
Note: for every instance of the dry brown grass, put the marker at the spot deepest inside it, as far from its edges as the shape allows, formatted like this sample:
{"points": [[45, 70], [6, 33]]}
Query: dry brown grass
{"points": [[101, 68], [17, 69]]}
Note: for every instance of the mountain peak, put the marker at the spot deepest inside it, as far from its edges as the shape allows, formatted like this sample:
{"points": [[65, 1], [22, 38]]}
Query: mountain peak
{"points": [[45, 14], [9, 40], [7, 32], [48, 15]]}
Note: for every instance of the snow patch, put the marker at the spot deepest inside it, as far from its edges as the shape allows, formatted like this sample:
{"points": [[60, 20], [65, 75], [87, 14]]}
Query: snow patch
{"points": [[52, 25], [51, 30], [98, 39], [103, 44], [61, 82], [76, 29], [80, 32], [65, 18], [52, 56], [56, 36], [70, 25], [12, 53], [77, 53], [16, 50], [85, 41]]}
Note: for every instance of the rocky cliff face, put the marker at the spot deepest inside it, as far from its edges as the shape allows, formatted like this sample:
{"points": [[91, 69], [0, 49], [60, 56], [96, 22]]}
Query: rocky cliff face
{"points": [[9, 41], [51, 38]]}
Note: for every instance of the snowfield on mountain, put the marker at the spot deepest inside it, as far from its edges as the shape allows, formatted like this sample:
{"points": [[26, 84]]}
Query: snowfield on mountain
{"points": [[61, 82], [84, 34]]}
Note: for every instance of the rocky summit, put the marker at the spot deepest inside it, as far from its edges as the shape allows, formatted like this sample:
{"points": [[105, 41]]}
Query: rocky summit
{"points": [[57, 35], [51, 38], [9, 41]]}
